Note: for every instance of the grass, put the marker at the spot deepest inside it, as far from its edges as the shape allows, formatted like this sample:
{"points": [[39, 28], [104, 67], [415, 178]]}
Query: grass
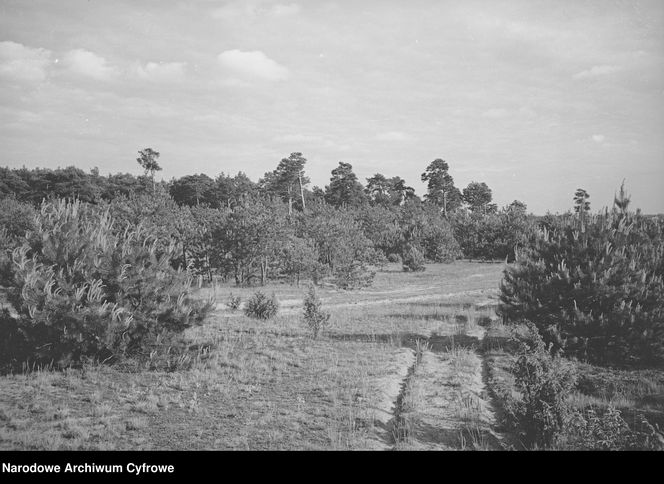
{"points": [[634, 392], [247, 384]]}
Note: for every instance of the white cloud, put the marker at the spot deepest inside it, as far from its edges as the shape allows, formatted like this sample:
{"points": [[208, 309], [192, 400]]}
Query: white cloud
{"points": [[252, 64], [248, 9], [596, 71], [23, 63], [393, 136], [285, 10], [88, 64], [495, 113], [598, 138], [298, 138], [161, 71]]}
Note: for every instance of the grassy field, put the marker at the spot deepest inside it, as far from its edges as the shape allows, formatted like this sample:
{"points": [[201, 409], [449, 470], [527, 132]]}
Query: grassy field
{"points": [[248, 384], [405, 364]]}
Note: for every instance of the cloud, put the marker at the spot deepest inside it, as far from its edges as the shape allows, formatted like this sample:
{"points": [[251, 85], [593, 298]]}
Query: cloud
{"points": [[598, 138], [596, 71], [393, 136], [88, 64], [298, 138], [253, 64], [285, 10], [161, 71], [22, 63], [247, 9], [495, 113]]}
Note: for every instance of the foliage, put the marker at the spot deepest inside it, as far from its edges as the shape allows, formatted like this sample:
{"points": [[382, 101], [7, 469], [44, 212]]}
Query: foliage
{"points": [[193, 190], [297, 258], [259, 306], [287, 181], [245, 239], [381, 226], [424, 227], [441, 191], [353, 275], [477, 196], [314, 316], [234, 302], [337, 235], [16, 217], [581, 203], [80, 289], [492, 236], [413, 260], [344, 189], [545, 382], [147, 158], [394, 258], [594, 286], [606, 429], [386, 192]]}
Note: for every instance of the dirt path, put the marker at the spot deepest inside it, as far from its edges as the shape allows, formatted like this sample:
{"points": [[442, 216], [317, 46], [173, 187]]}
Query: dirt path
{"points": [[444, 403], [289, 306]]}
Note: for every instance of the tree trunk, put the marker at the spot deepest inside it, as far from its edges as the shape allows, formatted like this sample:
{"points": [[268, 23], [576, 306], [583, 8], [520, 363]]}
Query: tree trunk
{"points": [[299, 179]]}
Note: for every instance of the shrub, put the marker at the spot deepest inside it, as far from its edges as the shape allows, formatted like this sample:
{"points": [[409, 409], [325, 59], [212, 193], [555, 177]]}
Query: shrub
{"points": [[259, 306], [491, 236], [394, 258], [596, 429], [545, 383], [314, 317], [353, 275], [80, 290], [16, 217], [594, 285], [413, 260], [234, 302]]}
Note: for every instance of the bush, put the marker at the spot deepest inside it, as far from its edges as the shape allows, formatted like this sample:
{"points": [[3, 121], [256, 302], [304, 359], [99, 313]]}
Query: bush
{"points": [[394, 258], [545, 383], [413, 260], [594, 285], [234, 302], [314, 317], [259, 306], [491, 236], [353, 275], [80, 290], [596, 429]]}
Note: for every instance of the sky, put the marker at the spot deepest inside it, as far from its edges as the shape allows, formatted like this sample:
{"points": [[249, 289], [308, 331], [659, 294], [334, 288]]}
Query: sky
{"points": [[535, 98]]}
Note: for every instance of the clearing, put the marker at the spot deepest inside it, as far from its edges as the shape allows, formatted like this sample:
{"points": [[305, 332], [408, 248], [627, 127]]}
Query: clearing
{"points": [[399, 368]]}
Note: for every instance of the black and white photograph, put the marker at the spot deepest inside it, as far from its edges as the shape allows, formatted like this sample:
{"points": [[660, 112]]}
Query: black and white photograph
{"points": [[312, 225]]}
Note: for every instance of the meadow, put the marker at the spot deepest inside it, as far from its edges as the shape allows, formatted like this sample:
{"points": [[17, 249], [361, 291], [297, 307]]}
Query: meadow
{"points": [[403, 365], [248, 384]]}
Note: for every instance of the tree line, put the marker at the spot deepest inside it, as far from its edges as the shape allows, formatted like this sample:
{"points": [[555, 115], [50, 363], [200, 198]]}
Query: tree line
{"points": [[213, 218]]}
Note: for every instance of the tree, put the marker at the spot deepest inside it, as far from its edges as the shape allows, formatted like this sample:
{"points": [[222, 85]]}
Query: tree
{"points": [[517, 207], [440, 187], [581, 203], [621, 201], [344, 189], [246, 239], [231, 191], [378, 190], [193, 190], [288, 180], [297, 257], [478, 196], [80, 288], [148, 160]]}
